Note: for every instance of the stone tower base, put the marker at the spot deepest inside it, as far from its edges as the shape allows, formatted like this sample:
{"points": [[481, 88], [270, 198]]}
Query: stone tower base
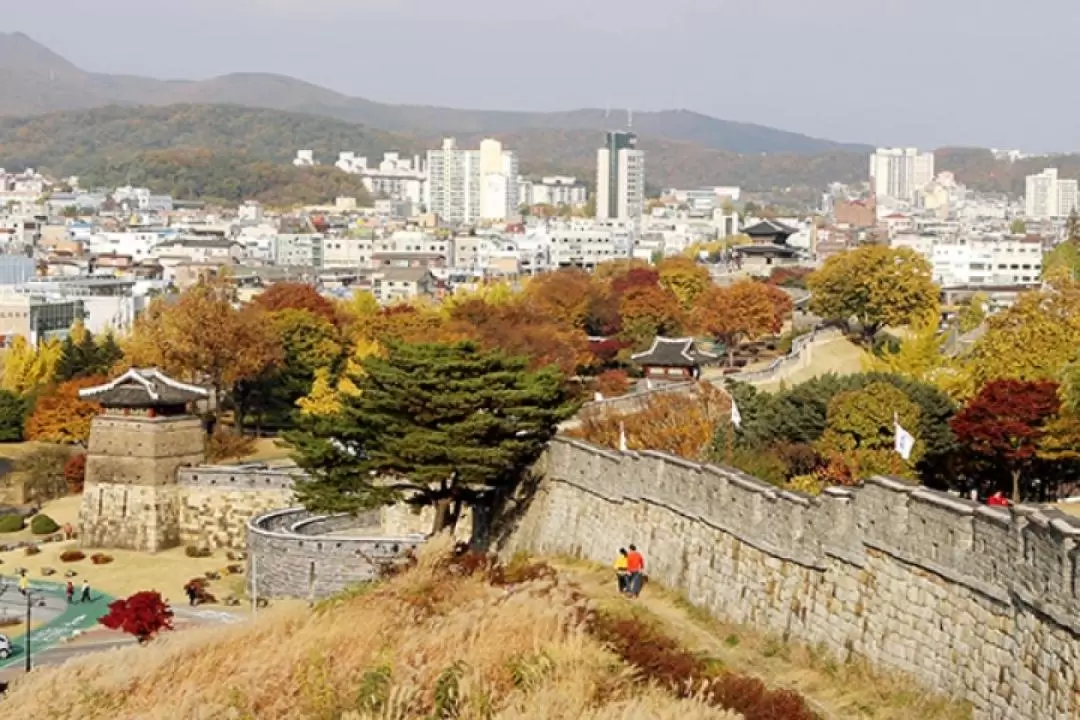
{"points": [[129, 517]]}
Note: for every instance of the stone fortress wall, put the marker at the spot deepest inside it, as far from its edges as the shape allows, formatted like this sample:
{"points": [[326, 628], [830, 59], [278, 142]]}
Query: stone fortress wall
{"points": [[216, 502], [971, 601], [294, 553]]}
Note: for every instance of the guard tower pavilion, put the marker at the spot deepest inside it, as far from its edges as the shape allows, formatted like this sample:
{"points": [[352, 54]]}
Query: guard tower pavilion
{"points": [[145, 434]]}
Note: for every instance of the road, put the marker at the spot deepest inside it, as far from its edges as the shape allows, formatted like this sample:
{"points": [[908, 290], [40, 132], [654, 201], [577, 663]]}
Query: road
{"points": [[54, 619]]}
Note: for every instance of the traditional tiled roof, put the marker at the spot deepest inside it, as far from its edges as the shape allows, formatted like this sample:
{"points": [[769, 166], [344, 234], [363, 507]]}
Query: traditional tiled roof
{"points": [[769, 228], [144, 387], [673, 352]]}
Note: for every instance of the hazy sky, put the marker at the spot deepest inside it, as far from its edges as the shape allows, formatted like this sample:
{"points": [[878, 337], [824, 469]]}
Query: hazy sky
{"points": [[925, 72]]}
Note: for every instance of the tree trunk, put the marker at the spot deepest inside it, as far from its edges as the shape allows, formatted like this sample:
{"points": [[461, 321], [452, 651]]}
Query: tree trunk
{"points": [[444, 518], [1016, 486]]}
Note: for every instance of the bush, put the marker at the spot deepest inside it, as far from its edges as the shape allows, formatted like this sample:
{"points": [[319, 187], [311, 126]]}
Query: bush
{"points": [[11, 523], [44, 473], [195, 551], [75, 473], [227, 444], [101, 559], [144, 615], [31, 550], [72, 555], [43, 525]]}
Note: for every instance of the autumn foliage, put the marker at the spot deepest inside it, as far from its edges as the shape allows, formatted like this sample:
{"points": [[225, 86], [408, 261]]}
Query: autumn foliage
{"points": [[744, 310], [682, 424], [143, 615], [297, 296], [75, 473], [1002, 426], [61, 416]]}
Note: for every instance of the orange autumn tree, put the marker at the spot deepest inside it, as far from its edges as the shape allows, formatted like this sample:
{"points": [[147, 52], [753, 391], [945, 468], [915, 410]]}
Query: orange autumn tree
{"points": [[678, 423], [297, 296], [647, 311], [203, 337], [565, 296], [61, 416], [743, 311], [519, 328]]}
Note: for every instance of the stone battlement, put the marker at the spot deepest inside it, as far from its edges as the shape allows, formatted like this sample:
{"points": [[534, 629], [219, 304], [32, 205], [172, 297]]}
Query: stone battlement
{"points": [[239, 477], [295, 553], [976, 602]]}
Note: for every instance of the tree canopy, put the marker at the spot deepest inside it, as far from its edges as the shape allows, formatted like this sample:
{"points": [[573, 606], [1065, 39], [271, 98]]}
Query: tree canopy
{"points": [[432, 424], [875, 285]]}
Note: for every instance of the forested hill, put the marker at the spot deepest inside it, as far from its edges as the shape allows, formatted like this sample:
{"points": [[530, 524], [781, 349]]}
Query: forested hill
{"points": [[224, 177]]}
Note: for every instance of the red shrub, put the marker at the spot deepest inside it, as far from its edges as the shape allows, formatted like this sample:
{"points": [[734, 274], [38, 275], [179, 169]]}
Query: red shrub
{"points": [[101, 559], [144, 615], [72, 556], [75, 473], [662, 660]]}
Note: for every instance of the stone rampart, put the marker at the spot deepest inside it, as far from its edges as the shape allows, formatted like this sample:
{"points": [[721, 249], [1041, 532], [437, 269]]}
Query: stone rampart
{"points": [[971, 601], [238, 477], [294, 553]]}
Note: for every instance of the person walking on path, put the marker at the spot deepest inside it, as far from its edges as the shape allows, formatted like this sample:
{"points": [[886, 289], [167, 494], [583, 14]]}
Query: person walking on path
{"points": [[24, 583], [635, 566], [70, 592], [85, 596], [621, 575]]}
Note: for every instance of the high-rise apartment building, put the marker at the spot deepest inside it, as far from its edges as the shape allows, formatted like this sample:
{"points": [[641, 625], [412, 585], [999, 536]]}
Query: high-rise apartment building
{"points": [[899, 173], [1048, 196], [620, 178], [465, 186]]}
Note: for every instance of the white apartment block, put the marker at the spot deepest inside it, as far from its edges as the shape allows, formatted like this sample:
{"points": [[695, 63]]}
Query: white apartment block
{"points": [[347, 251], [466, 186], [304, 158], [554, 190], [405, 242], [395, 177], [899, 173], [1048, 196], [620, 178], [577, 244], [985, 260]]}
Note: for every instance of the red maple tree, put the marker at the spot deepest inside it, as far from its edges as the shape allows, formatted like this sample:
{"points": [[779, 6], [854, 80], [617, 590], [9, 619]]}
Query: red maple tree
{"points": [[297, 296], [144, 615], [1003, 424]]}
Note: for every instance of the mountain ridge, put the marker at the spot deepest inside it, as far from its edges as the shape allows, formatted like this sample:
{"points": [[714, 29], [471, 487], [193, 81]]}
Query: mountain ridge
{"points": [[47, 82]]}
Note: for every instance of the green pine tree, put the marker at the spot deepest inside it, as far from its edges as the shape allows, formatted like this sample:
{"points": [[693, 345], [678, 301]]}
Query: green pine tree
{"points": [[108, 353], [441, 425], [71, 361]]}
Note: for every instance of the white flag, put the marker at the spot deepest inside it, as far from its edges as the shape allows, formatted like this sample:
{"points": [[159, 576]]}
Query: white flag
{"points": [[622, 437], [736, 416], [905, 442]]}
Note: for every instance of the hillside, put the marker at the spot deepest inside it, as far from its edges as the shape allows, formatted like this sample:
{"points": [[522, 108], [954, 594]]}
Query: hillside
{"points": [[72, 142], [459, 638], [65, 142], [44, 82], [223, 177]]}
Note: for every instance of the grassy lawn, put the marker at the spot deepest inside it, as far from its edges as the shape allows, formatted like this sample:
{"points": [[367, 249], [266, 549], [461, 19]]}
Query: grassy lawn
{"points": [[130, 571], [839, 356], [269, 451]]}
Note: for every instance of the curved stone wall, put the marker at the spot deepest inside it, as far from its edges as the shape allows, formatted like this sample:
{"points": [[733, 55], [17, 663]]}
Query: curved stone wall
{"points": [[298, 554], [972, 601]]}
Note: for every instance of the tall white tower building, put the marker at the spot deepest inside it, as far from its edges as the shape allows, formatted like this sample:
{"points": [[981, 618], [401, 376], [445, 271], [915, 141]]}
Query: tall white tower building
{"points": [[1048, 196], [620, 178], [899, 173], [470, 185]]}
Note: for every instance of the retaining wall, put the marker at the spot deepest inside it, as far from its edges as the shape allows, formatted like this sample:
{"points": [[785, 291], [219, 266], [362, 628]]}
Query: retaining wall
{"points": [[971, 601]]}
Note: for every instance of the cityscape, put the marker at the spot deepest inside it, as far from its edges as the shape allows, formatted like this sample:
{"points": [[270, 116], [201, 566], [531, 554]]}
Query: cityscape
{"points": [[315, 406]]}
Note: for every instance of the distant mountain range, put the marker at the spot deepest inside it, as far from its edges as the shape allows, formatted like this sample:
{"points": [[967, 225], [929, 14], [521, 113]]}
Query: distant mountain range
{"points": [[44, 82], [58, 117]]}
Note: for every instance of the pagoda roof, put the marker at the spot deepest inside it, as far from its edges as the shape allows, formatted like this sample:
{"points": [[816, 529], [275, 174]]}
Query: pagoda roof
{"points": [[144, 387], [672, 352], [769, 228]]}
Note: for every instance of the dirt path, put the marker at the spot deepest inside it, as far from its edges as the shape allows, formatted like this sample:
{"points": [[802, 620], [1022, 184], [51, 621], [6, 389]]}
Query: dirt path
{"points": [[840, 691]]}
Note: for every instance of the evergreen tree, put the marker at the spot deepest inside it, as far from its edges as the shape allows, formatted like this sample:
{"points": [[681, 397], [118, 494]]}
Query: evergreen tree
{"points": [[433, 424], [13, 411], [82, 355], [70, 363]]}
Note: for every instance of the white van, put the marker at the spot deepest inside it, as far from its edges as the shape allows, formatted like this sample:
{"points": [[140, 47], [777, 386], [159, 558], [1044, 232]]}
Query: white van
{"points": [[5, 647]]}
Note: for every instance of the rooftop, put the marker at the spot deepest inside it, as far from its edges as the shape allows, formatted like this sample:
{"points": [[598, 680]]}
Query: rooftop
{"points": [[142, 388], [673, 352]]}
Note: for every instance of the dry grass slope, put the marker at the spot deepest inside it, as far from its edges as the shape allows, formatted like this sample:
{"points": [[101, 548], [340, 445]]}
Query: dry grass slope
{"points": [[423, 645]]}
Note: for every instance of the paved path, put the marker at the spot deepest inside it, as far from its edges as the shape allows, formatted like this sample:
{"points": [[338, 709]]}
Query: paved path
{"points": [[61, 621]]}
